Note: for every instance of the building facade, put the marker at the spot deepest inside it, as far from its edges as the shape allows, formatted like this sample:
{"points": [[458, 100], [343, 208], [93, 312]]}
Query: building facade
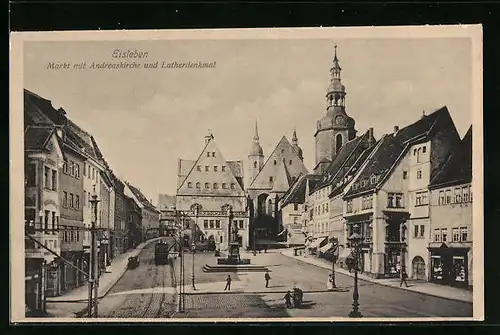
{"points": [[207, 189], [149, 214], [381, 201], [450, 207], [120, 217]]}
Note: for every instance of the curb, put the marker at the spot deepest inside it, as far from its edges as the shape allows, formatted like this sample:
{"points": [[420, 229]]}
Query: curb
{"points": [[383, 284], [263, 292]]}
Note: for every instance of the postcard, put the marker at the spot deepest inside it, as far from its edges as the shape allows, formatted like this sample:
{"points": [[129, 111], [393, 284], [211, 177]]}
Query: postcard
{"points": [[277, 175]]}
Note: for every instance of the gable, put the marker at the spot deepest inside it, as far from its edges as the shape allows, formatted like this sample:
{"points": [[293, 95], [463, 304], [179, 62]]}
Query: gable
{"points": [[211, 168], [283, 151]]}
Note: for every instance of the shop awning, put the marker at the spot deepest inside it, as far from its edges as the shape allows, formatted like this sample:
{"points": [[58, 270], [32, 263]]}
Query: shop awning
{"points": [[326, 247], [315, 244]]}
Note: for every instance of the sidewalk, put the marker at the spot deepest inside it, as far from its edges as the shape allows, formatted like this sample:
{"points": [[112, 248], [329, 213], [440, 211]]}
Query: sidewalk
{"points": [[72, 302], [427, 288]]}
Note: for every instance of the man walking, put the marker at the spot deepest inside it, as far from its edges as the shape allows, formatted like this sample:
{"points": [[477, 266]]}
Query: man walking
{"points": [[228, 283], [288, 299], [403, 278], [267, 277]]}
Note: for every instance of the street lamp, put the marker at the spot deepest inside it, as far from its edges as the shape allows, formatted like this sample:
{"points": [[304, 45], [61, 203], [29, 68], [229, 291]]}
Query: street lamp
{"points": [[193, 244], [94, 281], [403, 238], [335, 246], [355, 240]]}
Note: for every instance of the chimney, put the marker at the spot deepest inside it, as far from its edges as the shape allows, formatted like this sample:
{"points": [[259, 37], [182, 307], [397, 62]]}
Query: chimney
{"points": [[396, 129], [371, 139]]}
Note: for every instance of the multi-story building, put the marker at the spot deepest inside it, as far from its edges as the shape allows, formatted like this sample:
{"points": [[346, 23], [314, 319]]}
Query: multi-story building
{"points": [[106, 218], [166, 206], [384, 199], [450, 207], [134, 222], [120, 216], [150, 215], [207, 189], [43, 160]]}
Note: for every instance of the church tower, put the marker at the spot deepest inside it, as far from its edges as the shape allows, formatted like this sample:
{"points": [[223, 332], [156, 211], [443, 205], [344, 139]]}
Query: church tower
{"points": [[295, 144], [255, 157], [335, 128]]}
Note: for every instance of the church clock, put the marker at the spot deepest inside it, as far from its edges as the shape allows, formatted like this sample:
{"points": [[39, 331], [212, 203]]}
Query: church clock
{"points": [[340, 120]]}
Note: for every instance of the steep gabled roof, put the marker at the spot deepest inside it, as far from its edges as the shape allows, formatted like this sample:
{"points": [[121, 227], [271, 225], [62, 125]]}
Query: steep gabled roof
{"points": [[392, 147], [457, 168], [282, 150], [348, 149], [282, 179], [297, 193], [141, 197], [36, 137]]}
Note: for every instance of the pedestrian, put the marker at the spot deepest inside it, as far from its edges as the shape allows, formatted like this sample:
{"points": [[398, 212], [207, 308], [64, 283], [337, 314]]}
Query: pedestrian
{"points": [[403, 279], [228, 283], [330, 284], [267, 277], [288, 299]]}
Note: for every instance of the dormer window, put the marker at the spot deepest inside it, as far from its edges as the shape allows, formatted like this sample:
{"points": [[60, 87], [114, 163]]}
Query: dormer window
{"points": [[373, 179], [198, 185], [232, 186], [207, 168], [213, 154], [207, 185], [190, 185], [271, 179], [223, 168], [275, 162], [216, 186], [208, 154]]}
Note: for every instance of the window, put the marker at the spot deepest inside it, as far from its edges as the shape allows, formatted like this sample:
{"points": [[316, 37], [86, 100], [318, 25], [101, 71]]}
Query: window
{"points": [[71, 168], [77, 235], [424, 149], [282, 150], [373, 179], [242, 225], [211, 223], [93, 174], [47, 177], [232, 186], [54, 180], [223, 168], [463, 234], [216, 186], [130, 218], [448, 197], [419, 174], [71, 200], [418, 155], [458, 195], [207, 168], [421, 199], [205, 224], [84, 169], [444, 234], [295, 207], [456, 234], [77, 170], [326, 207], [224, 186], [207, 185], [198, 185], [215, 168], [465, 193], [349, 206], [405, 174], [54, 226], [441, 200], [422, 230], [46, 220], [414, 152], [255, 165], [208, 154], [198, 167], [84, 198], [367, 202], [390, 200], [77, 201], [415, 231], [363, 183], [65, 167], [437, 235], [30, 174], [271, 179], [65, 199], [213, 154], [275, 162], [190, 185], [217, 223]]}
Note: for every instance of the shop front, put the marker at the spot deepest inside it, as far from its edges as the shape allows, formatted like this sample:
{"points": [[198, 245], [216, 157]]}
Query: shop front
{"points": [[33, 284], [449, 266]]}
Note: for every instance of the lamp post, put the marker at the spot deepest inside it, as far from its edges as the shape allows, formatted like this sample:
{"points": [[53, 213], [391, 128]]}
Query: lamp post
{"points": [[335, 245], [254, 233], [403, 238], [355, 240], [193, 245], [94, 281]]}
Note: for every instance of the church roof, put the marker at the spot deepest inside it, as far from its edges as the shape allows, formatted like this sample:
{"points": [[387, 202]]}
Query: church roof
{"points": [[457, 169], [283, 151], [282, 180], [392, 146]]}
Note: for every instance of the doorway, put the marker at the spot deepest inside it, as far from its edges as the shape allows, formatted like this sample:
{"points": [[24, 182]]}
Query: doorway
{"points": [[418, 267]]}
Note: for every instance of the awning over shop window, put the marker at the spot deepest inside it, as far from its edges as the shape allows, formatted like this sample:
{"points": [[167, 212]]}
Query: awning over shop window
{"points": [[326, 247], [315, 244]]}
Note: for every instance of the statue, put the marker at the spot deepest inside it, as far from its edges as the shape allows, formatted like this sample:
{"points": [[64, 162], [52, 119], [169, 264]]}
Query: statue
{"points": [[234, 231]]}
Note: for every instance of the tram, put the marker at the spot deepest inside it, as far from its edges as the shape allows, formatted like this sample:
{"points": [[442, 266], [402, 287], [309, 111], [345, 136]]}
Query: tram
{"points": [[161, 252]]}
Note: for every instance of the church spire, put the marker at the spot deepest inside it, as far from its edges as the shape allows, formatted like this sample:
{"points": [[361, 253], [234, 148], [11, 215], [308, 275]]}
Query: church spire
{"points": [[294, 137], [256, 148], [295, 144], [256, 135], [335, 95]]}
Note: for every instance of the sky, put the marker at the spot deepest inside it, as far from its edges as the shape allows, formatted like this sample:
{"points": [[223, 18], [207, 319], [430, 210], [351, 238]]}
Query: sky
{"points": [[144, 120]]}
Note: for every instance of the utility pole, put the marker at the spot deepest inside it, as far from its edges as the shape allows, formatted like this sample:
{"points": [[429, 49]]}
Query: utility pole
{"points": [[94, 265]]}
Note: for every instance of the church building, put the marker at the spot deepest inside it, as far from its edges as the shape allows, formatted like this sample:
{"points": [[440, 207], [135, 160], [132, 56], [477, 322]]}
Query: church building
{"points": [[208, 188], [335, 128]]}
